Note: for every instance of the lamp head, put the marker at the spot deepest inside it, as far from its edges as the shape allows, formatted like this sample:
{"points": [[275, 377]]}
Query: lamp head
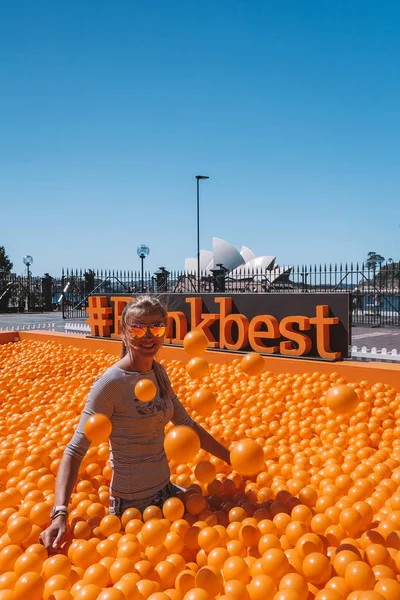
{"points": [[143, 251], [27, 260]]}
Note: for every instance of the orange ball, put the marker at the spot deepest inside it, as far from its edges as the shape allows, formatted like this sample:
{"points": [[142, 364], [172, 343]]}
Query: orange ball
{"points": [[97, 574], [61, 595], [198, 367], [252, 364], [56, 565], [203, 401], [97, 428], [154, 532], [235, 567], [110, 524], [29, 586], [247, 457], [111, 594], [210, 579], [359, 576], [342, 399], [181, 444], [173, 509], [205, 472], [262, 587], [316, 568], [145, 390], [296, 582], [54, 584], [195, 342], [85, 591], [234, 589], [388, 588], [18, 529]]}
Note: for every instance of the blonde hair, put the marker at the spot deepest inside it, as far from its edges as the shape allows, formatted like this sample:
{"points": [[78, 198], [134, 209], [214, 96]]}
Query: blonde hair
{"points": [[147, 305]]}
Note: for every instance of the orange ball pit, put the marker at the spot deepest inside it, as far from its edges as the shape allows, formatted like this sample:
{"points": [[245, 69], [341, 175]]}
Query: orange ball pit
{"points": [[311, 511]]}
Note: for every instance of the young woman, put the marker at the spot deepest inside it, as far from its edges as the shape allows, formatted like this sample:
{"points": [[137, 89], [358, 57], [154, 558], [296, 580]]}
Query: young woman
{"points": [[141, 475]]}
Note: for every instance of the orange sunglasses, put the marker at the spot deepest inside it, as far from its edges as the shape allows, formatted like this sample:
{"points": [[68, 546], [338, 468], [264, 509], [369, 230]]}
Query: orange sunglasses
{"points": [[156, 329]]}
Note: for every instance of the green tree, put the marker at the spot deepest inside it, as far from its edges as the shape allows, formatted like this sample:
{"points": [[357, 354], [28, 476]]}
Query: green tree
{"points": [[390, 274], [5, 285], [5, 263], [373, 260]]}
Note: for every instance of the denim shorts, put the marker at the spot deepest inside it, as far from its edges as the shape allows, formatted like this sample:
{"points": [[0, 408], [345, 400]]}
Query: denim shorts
{"points": [[119, 505]]}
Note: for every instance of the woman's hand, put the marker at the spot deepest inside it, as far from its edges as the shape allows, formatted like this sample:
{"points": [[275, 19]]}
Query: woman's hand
{"points": [[52, 537]]}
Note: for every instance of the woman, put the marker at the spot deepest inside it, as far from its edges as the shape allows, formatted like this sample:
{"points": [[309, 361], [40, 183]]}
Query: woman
{"points": [[141, 474]]}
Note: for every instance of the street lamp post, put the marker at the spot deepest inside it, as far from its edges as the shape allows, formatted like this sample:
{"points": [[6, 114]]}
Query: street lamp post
{"points": [[28, 260], [198, 177], [143, 251]]}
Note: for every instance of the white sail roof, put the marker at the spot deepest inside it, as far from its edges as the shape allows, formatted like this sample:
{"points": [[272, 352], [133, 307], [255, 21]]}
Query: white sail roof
{"points": [[191, 265], [226, 254], [260, 263], [238, 264], [206, 258], [247, 254]]}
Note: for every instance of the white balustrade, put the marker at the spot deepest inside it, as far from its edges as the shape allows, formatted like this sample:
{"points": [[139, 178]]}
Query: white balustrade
{"points": [[77, 328], [373, 354]]}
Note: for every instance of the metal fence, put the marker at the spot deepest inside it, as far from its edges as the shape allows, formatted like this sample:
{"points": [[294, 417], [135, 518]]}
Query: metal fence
{"points": [[375, 289], [29, 294]]}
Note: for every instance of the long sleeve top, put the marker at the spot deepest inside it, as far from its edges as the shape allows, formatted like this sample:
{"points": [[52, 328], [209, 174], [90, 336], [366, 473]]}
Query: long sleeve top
{"points": [[137, 456]]}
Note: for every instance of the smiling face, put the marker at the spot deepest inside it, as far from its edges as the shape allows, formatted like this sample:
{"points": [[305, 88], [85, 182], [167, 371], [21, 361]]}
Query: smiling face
{"points": [[144, 343]]}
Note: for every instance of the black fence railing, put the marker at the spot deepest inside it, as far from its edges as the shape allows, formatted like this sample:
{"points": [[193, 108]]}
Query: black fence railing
{"points": [[20, 293], [375, 289]]}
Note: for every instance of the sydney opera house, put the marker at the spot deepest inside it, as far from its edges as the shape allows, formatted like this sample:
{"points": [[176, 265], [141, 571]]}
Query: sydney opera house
{"points": [[241, 270]]}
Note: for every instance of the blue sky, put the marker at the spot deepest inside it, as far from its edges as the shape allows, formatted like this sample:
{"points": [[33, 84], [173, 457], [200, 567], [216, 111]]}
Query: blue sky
{"points": [[108, 110]]}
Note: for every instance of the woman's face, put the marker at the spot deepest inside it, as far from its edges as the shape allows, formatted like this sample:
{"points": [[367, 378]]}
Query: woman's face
{"points": [[145, 333]]}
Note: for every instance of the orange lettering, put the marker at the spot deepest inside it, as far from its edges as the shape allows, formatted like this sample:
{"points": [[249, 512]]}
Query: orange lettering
{"points": [[99, 316], [202, 321], [177, 321], [322, 322], [304, 344], [225, 328], [256, 333], [235, 331], [119, 303]]}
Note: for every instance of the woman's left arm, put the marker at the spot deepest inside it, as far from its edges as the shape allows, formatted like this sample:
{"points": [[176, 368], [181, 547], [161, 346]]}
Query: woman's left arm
{"points": [[210, 444]]}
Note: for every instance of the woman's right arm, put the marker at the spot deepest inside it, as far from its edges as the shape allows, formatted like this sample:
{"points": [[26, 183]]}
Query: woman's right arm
{"points": [[66, 479], [101, 399]]}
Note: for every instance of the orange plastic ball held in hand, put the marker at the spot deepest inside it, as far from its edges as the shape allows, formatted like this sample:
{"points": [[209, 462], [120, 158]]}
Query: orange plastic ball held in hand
{"points": [[195, 342], [97, 428], [247, 457], [342, 399], [181, 444], [252, 364]]}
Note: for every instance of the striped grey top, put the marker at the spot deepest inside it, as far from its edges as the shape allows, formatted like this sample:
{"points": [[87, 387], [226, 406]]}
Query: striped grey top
{"points": [[140, 466]]}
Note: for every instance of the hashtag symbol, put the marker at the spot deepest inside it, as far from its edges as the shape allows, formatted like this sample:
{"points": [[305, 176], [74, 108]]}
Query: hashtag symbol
{"points": [[99, 312]]}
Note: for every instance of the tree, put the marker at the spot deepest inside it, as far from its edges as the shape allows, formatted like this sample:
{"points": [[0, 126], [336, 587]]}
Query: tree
{"points": [[5, 284], [5, 263], [373, 260], [389, 274]]}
